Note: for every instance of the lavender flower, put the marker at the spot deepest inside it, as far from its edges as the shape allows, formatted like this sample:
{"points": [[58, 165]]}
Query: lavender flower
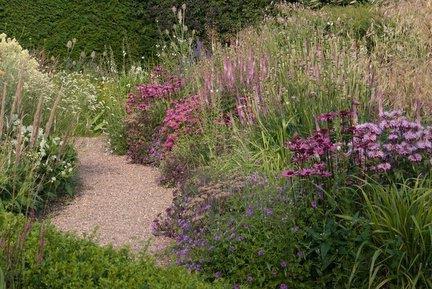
{"points": [[249, 211], [268, 212], [314, 204]]}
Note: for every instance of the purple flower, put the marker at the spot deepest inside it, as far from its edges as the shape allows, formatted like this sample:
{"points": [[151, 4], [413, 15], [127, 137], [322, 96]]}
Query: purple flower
{"points": [[314, 204], [283, 286], [327, 116], [236, 286], [249, 211], [261, 252], [283, 264], [249, 279], [240, 238], [415, 158], [289, 173], [218, 274], [300, 254], [383, 167], [268, 212]]}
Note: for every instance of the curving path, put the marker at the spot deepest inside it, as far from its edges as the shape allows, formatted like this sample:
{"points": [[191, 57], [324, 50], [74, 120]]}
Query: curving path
{"points": [[116, 201]]}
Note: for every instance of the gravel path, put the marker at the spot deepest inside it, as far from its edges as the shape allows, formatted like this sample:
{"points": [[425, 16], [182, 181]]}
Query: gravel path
{"points": [[116, 200]]}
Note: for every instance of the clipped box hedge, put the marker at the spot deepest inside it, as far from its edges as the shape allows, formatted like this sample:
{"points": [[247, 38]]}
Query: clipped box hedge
{"points": [[31, 258]]}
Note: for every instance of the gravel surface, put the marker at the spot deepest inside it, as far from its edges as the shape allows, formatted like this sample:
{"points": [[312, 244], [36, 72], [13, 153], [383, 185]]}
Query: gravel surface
{"points": [[116, 201]]}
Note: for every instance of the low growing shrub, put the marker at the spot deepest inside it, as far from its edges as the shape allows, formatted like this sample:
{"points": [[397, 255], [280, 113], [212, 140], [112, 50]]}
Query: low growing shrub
{"points": [[35, 255]]}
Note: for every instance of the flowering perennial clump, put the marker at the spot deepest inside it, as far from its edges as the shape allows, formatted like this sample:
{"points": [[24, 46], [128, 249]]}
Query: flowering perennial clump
{"points": [[181, 117], [147, 93], [141, 138], [308, 149], [391, 142], [379, 147]]}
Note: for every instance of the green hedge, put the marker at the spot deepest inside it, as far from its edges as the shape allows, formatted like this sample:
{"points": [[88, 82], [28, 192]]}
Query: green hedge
{"points": [[64, 261], [50, 24], [95, 24], [224, 16]]}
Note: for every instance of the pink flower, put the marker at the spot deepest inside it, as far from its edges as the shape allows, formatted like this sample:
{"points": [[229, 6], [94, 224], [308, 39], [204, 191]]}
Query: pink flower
{"points": [[415, 158], [288, 173], [383, 167], [327, 116]]}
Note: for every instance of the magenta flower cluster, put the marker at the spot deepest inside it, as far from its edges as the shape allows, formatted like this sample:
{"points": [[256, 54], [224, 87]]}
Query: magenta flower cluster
{"points": [[182, 117], [394, 140], [143, 146], [147, 93], [373, 147], [313, 149]]}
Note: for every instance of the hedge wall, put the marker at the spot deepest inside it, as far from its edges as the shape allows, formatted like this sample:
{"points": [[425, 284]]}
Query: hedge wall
{"points": [[95, 24], [50, 24], [224, 16]]}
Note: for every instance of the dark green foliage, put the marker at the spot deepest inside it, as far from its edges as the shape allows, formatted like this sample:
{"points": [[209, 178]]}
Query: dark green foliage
{"points": [[97, 25], [122, 25], [37, 256], [224, 16]]}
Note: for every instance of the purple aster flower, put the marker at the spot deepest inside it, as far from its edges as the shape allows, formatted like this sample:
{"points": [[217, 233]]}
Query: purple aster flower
{"points": [[384, 167], [300, 254], [283, 286], [249, 211], [268, 211], [314, 204], [415, 158]]}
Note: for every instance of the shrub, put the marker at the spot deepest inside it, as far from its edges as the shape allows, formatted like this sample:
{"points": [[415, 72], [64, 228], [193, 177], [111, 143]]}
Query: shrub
{"points": [[35, 255], [79, 102], [36, 164], [226, 227], [393, 145], [18, 65], [34, 169], [49, 25]]}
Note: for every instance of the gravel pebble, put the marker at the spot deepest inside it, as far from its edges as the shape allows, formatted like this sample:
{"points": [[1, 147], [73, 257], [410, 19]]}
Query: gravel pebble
{"points": [[116, 202]]}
